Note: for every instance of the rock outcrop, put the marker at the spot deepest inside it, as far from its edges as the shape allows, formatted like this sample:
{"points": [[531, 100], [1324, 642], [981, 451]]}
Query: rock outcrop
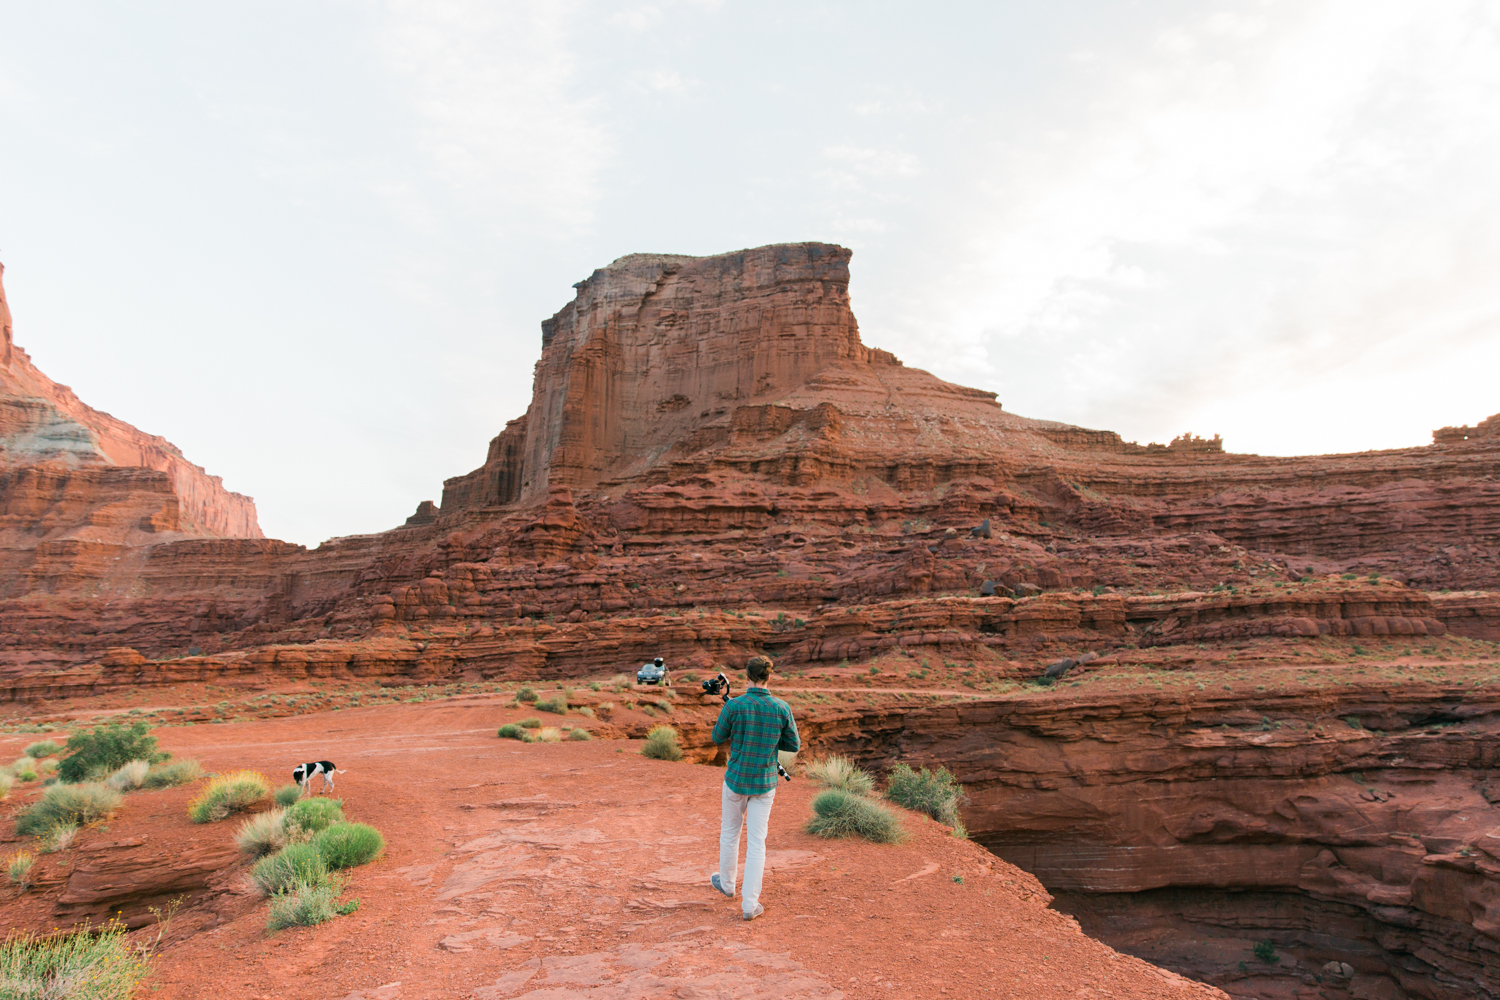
{"points": [[68, 471]]}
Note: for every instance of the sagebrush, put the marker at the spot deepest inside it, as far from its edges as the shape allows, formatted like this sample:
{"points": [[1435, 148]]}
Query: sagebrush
{"points": [[68, 804], [661, 744], [95, 752]]}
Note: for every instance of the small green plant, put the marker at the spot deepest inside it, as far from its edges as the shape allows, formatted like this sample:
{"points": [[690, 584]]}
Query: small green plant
{"points": [[557, 705], [578, 735], [837, 813], [99, 751], [128, 777], [75, 804], [42, 748], [310, 816], [1266, 952], [526, 694], [86, 965], [24, 769], [262, 834], [306, 904], [227, 794], [661, 744], [935, 793], [178, 772], [840, 772], [346, 845], [286, 795], [295, 863], [511, 731], [959, 879], [18, 868], [532, 723]]}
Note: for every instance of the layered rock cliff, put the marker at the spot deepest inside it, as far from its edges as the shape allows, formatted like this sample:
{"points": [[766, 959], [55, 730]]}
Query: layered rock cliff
{"points": [[68, 471]]}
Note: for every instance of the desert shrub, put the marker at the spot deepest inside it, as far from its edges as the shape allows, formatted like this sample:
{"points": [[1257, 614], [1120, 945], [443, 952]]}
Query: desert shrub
{"points": [[305, 904], [310, 816], [532, 723], [579, 735], [294, 863], [287, 794], [24, 765], [586, 711], [42, 748], [75, 804], [18, 868], [57, 837], [178, 772], [838, 813], [228, 793], [99, 751], [526, 694], [346, 845], [840, 772], [511, 731], [129, 776], [932, 792], [81, 966], [661, 744], [547, 734], [1266, 952], [48, 766], [262, 834], [6, 783], [557, 706]]}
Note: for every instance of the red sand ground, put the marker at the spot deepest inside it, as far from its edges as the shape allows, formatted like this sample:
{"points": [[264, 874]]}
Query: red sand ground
{"points": [[579, 871]]}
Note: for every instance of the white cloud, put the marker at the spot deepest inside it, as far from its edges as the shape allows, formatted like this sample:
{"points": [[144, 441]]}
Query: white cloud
{"points": [[502, 126]]}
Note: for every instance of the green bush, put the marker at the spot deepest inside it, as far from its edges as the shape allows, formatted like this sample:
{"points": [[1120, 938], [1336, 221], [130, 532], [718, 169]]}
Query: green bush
{"points": [[43, 748], [178, 772], [309, 816], [840, 772], [557, 706], [262, 834], [511, 731], [837, 813], [532, 723], [83, 966], [932, 792], [227, 794], [24, 768], [661, 744], [305, 904], [346, 845], [129, 776], [1266, 952], [287, 794], [99, 751], [74, 804], [580, 735], [294, 863], [526, 694]]}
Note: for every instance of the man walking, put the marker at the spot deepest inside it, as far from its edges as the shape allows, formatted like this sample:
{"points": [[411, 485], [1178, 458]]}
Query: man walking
{"points": [[756, 726]]}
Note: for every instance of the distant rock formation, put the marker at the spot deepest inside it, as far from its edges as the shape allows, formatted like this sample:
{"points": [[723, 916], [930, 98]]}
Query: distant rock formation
{"points": [[70, 471], [1489, 428]]}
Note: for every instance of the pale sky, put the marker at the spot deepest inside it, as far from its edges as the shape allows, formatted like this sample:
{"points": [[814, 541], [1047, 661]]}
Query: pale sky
{"points": [[311, 242]]}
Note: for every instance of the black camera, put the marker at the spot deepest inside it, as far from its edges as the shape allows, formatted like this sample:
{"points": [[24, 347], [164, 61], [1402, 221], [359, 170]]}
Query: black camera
{"points": [[782, 771], [717, 685]]}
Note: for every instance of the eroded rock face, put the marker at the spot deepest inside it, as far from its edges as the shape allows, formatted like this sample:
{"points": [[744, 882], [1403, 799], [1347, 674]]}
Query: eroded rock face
{"points": [[70, 471]]}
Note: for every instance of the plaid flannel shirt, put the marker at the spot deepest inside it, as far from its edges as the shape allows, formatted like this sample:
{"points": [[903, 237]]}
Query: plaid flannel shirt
{"points": [[756, 725]]}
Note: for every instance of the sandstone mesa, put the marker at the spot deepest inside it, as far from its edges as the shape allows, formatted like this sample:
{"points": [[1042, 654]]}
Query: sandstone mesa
{"points": [[713, 464]]}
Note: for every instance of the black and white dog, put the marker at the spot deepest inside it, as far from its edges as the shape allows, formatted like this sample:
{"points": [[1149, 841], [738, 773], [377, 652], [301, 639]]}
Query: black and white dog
{"points": [[303, 774]]}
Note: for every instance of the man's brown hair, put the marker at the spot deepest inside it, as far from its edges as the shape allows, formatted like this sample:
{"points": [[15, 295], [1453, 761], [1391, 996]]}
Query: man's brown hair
{"points": [[758, 668]]}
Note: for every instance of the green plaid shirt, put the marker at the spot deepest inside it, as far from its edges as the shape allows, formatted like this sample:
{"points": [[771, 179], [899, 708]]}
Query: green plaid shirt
{"points": [[756, 725]]}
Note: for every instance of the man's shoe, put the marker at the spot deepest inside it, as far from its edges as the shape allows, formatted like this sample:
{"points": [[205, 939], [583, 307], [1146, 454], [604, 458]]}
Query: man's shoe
{"points": [[752, 914], [713, 880]]}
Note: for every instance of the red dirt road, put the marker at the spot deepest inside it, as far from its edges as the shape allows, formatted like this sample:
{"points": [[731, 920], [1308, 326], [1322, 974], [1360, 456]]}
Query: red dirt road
{"points": [[578, 871]]}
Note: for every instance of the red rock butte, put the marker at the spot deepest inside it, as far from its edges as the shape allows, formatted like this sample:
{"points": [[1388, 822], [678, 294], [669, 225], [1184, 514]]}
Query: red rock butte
{"points": [[1276, 672]]}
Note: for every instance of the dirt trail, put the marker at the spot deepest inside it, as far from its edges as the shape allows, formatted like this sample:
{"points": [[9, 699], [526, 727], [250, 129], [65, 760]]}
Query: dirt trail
{"points": [[578, 871]]}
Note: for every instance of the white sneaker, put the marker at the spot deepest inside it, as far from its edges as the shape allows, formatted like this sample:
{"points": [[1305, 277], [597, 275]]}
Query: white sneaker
{"points": [[713, 880], [752, 914]]}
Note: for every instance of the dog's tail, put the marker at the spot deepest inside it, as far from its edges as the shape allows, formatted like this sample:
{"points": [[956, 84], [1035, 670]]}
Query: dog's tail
{"points": [[340, 770]]}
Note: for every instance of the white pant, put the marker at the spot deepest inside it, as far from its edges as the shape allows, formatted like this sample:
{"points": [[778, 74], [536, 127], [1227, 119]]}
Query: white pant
{"points": [[754, 811]]}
